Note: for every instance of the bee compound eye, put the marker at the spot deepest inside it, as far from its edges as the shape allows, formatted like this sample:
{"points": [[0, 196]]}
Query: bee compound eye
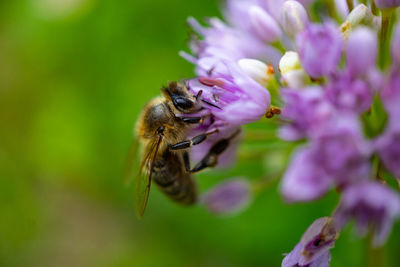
{"points": [[182, 103]]}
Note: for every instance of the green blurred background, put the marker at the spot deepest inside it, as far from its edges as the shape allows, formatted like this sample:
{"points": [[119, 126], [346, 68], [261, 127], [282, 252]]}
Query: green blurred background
{"points": [[73, 76]]}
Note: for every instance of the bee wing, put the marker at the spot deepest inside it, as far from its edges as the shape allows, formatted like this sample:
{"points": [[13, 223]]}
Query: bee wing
{"points": [[143, 180], [132, 162]]}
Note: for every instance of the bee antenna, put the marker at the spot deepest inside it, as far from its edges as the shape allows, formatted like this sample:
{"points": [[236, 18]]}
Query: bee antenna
{"points": [[211, 104]]}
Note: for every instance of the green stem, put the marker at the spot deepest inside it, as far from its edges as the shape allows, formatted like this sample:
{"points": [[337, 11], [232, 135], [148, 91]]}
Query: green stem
{"points": [[374, 9], [350, 5], [383, 38], [375, 256], [331, 5], [259, 135], [266, 182], [375, 166]]}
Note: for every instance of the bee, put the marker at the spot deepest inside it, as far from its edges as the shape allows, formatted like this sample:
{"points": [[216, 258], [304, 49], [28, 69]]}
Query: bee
{"points": [[162, 130]]}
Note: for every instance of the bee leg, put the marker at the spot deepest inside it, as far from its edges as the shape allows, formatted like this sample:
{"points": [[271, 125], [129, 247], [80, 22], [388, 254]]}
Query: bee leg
{"points": [[192, 142], [186, 161], [211, 158], [193, 120], [207, 161]]}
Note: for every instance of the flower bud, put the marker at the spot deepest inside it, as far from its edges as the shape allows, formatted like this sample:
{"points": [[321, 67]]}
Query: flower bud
{"points": [[290, 61], [272, 6], [266, 28], [361, 51], [293, 75], [257, 70], [396, 44], [361, 14], [295, 79], [228, 197], [293, 17], [384, 4]]}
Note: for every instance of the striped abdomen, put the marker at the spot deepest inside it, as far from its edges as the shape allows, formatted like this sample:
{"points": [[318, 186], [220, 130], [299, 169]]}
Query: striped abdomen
{"points": [[173, 180]]}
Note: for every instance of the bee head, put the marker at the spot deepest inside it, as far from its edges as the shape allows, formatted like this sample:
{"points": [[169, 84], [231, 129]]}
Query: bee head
{"points": [[181, 98]]}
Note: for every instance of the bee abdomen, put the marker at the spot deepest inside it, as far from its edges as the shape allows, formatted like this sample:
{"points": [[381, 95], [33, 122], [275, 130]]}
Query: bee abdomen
{"points": [[173, 180], [175, 183], [181, 190]]}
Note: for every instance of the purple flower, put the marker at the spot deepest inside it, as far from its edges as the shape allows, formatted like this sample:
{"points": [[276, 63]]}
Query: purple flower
{"points": [[306, 110], [313, 248], [341, 150], [263, 25], [361, 51], [391, 92], [293, 258], [388, 147], [273, 7], [252, 17], [304, 180], [320, 49], [223, 43], [370, 204], [396, 44], [237, 14], [383, 4], [236, 99], [233, 100], [348, 93], [336, 155], [228, 197]]}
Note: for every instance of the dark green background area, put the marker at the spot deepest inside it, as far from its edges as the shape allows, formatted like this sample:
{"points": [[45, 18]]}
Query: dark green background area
{"points": [[74, 74]]}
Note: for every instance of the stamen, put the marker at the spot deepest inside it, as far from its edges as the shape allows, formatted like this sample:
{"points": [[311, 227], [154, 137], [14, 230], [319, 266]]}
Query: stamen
{"points": [[270, 69], [211, 82], [275, 110], [269, 114], [272, 110]]}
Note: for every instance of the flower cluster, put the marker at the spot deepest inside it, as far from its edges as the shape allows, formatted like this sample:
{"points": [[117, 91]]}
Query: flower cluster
{"points": [[341, 95], [341, 115]]}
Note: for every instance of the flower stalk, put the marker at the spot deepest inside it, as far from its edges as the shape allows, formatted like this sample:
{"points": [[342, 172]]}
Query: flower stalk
{"points": [[384, 35], [376, 255], [350, 5], [374, 9]]}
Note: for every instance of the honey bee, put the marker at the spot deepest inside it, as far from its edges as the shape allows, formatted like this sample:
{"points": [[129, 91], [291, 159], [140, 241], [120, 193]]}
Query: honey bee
{"points": [[162, 130]]}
